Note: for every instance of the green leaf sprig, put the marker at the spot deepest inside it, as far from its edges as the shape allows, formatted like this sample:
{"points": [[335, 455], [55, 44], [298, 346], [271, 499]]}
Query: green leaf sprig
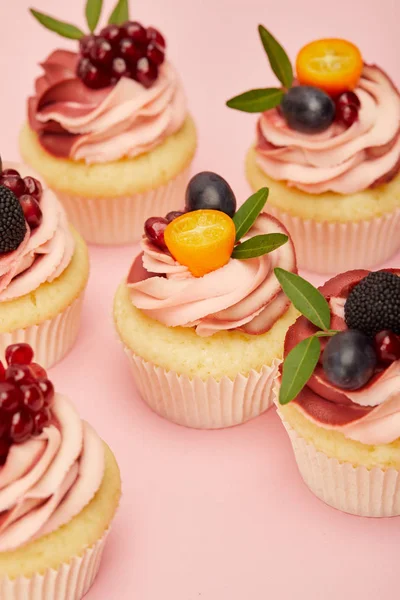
{"points": [[301, 361], [93, 9], [260, 100]]}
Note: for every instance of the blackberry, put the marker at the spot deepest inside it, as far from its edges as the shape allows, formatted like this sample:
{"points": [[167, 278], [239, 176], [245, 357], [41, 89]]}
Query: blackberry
{"points": [[373, 305], [12, 221]]}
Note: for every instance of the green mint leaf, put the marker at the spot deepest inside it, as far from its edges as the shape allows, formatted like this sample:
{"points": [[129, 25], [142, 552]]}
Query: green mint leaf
{"points": [[64, 29], [298, 367], [120, 14], [93, 12], [257, 101], [259, 245], [305, 297], [246, 215], [278, 59]]}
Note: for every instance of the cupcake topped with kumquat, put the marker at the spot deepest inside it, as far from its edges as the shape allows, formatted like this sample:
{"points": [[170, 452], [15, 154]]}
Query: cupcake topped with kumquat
{"points": [[108, 126], [201, 313], [328, 147]]}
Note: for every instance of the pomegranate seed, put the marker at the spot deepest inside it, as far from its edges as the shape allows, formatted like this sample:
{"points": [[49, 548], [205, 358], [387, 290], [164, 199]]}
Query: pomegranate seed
{"points": [[10, 173], [10, 397], [32, 211], [113, 34], [174, 214], [155, 54], [41, 420], [146, 72], [119, 68], [37, 371], [2, 372], [15, 184], [33, 187], [135, 31], [47, 389], [101, 53], [348, 98], [347, 108], [19, 354], [129, 51], [387, 346], [154, 229], [19, 374], [85, 44], [21, 427], [4, 450], [153, 35], [33, 398], [92, 76]]}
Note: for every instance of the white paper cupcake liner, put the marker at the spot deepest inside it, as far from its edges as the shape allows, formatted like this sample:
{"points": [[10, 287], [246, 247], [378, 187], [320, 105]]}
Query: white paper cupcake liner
{"points": [[51, 340], [120, 220], [355, 490], [332, 247], [204, 404], [71, 581]]}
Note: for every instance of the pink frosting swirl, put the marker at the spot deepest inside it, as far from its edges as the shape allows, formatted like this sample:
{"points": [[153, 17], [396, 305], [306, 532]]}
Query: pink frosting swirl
{"points": [[44, 253], [244, 294], [339, 160], [103, 125], [49, 479]]}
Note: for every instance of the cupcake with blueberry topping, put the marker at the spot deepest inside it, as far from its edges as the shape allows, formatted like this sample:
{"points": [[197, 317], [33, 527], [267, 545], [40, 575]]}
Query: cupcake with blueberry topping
{"points": [[108, 127], [44, 268], [201, 314], [328, 147], [59, 487], [339, 395]]}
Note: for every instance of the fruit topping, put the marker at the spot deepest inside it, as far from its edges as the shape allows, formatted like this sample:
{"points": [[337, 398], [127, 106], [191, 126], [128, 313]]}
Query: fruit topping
{"points": [[33, 187], [29, 192], [387, 347], [308, 109], [209, 191], [349, 359], [174, 214], [101, 53], [136, 32], [202, 240], [26, 397], [32, 211], [333, 65], [12, 221], [92, 76], [113, 34], [373, 305], [154, 229], [347, 108], [15, 184]]}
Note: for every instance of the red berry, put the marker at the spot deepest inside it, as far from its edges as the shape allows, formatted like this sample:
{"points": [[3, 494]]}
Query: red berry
{"points": [[47, 389], [154, 229], [2, 372], [348, 98], [19, 354], [135, 31], [101, 53], [32, 211], [153, 35], [15, 184], [33, 399], [146, 72], [387, 347], [37, 371], [4, 449], [19, 374], [85, 44], [347, 108], [119, 68], [41, 420], [10, 173], [21, 427], [174, 214], [10, 397], [92, 76], [129, 51], [155, 54], [33, 187], [113, 34]]}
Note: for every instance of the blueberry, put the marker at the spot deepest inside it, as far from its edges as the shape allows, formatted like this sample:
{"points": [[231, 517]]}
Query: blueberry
{"points": [[210, 191], [349, 359], [308, 109]]}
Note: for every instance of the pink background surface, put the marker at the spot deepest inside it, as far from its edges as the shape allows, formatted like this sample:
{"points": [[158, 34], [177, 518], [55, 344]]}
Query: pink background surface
{"points": [[208, 515]]}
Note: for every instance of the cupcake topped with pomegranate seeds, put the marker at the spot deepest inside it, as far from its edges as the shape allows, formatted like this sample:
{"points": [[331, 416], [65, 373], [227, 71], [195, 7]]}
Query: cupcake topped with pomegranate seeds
{"points": [[59, 486], [202, 309], [97, 116], [328, 146]]}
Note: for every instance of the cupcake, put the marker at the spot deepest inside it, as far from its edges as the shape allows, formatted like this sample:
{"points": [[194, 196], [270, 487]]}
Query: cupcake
{"points": [[201, 314], [108, 128], [59, 488], [339, 396], [328, 147], [44, 268]]}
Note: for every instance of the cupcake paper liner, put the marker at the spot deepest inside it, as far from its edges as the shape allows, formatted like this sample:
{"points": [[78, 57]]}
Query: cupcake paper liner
{"points": [[51, 340], [332, 247], [355, 490], [204, 404], [71, 581], [118, 221]]}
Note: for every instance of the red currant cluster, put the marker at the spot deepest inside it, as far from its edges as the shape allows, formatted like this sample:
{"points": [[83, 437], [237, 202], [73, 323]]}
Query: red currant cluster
{"points": [[129, 50], [347, 108], [154, 228], [28, 190], [26, 397], [387, 347]]}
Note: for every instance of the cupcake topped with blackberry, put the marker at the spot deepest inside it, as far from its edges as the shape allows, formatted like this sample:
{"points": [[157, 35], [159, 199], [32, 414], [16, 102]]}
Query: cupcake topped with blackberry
{"points": [[328, 140], [340, 385], [203, 287], [113, 99]]}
